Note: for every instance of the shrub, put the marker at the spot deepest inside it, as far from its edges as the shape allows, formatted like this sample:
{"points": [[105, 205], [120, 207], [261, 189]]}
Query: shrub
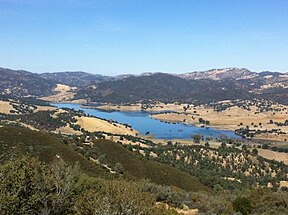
{"points": [[242, 204], [115, 197], [29, 187], [118, 168]]}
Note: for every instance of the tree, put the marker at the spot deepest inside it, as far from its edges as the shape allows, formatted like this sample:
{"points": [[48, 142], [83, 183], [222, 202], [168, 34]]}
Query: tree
{"points": [[254, 152], [102, 159], [223, 145], [118, 168], [196, 138], [29, 187], [115, 197], [244, 147]]}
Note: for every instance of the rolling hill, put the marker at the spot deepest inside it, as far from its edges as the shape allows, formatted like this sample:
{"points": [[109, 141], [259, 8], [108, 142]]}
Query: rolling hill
{"points": [[163, 87], [75, 79], [23, 83], [136, 167], [207, 86], [21, 141], [16, 142]]}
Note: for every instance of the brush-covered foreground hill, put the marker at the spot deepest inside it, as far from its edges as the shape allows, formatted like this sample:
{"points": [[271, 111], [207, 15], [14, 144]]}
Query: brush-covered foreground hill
{"points": [[48, 148], [16, 142], [139, 167]]}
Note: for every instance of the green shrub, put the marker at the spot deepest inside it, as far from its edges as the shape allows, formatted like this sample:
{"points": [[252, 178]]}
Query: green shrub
{"points": [[243, 205]]}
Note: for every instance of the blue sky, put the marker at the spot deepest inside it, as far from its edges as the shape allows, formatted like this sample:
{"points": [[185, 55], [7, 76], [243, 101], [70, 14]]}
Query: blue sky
{"points": [[135, 36]]}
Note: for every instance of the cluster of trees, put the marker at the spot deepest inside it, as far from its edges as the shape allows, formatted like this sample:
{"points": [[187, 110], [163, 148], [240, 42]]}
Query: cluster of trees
{"points": [[247, 132], [28, 186], [213, 166], [285, 123], [44, 120], [262, 105], [274, 148], [202, 121]]}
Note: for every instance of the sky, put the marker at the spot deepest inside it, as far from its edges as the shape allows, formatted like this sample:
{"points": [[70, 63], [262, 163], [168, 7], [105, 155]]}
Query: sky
{"points": [[114, 37]]}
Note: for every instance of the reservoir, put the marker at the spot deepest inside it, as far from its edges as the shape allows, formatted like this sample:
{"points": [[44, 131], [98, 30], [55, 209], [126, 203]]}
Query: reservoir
{"points": [[141, 121]]}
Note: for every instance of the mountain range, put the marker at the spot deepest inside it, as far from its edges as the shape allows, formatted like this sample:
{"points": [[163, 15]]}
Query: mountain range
{"points": [[205, 86]]}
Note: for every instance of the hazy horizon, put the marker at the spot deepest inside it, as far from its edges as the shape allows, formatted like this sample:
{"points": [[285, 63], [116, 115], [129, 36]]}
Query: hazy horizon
{"points": [[112, 37], [171, 73]]}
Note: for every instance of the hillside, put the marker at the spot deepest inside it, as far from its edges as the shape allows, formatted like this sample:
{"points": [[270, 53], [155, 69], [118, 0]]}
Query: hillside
{"points": [[165, 87], [203, 87], [139, 167], [21, 141], [220, 74], [23, 83], [75, 79]]}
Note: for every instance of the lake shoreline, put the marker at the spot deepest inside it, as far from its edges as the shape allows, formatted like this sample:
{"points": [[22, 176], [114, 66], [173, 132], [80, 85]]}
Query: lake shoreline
{"points": [[145, 124]]}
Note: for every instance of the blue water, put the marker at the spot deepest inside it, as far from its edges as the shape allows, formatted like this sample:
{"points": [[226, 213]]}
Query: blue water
{"points": [[143, 123]]}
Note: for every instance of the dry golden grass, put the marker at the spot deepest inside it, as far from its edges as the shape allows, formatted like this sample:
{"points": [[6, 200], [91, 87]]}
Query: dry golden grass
{"points": [[44, 108], [127, 142], [67, 130], [230, 119], [278, 156], [63, 93], [111, 107], [92, 124], [137, 107], [5, 107]]}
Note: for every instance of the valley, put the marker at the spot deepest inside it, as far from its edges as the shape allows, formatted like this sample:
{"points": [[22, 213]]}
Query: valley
{"points": [[184, 151], [112, 107]]}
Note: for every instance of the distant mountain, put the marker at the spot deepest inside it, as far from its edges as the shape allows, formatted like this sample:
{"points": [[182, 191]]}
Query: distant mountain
{"points": [[206, 86], [75, 79], [211, 85], [220, 74], [23, 83], [165, 87]]}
